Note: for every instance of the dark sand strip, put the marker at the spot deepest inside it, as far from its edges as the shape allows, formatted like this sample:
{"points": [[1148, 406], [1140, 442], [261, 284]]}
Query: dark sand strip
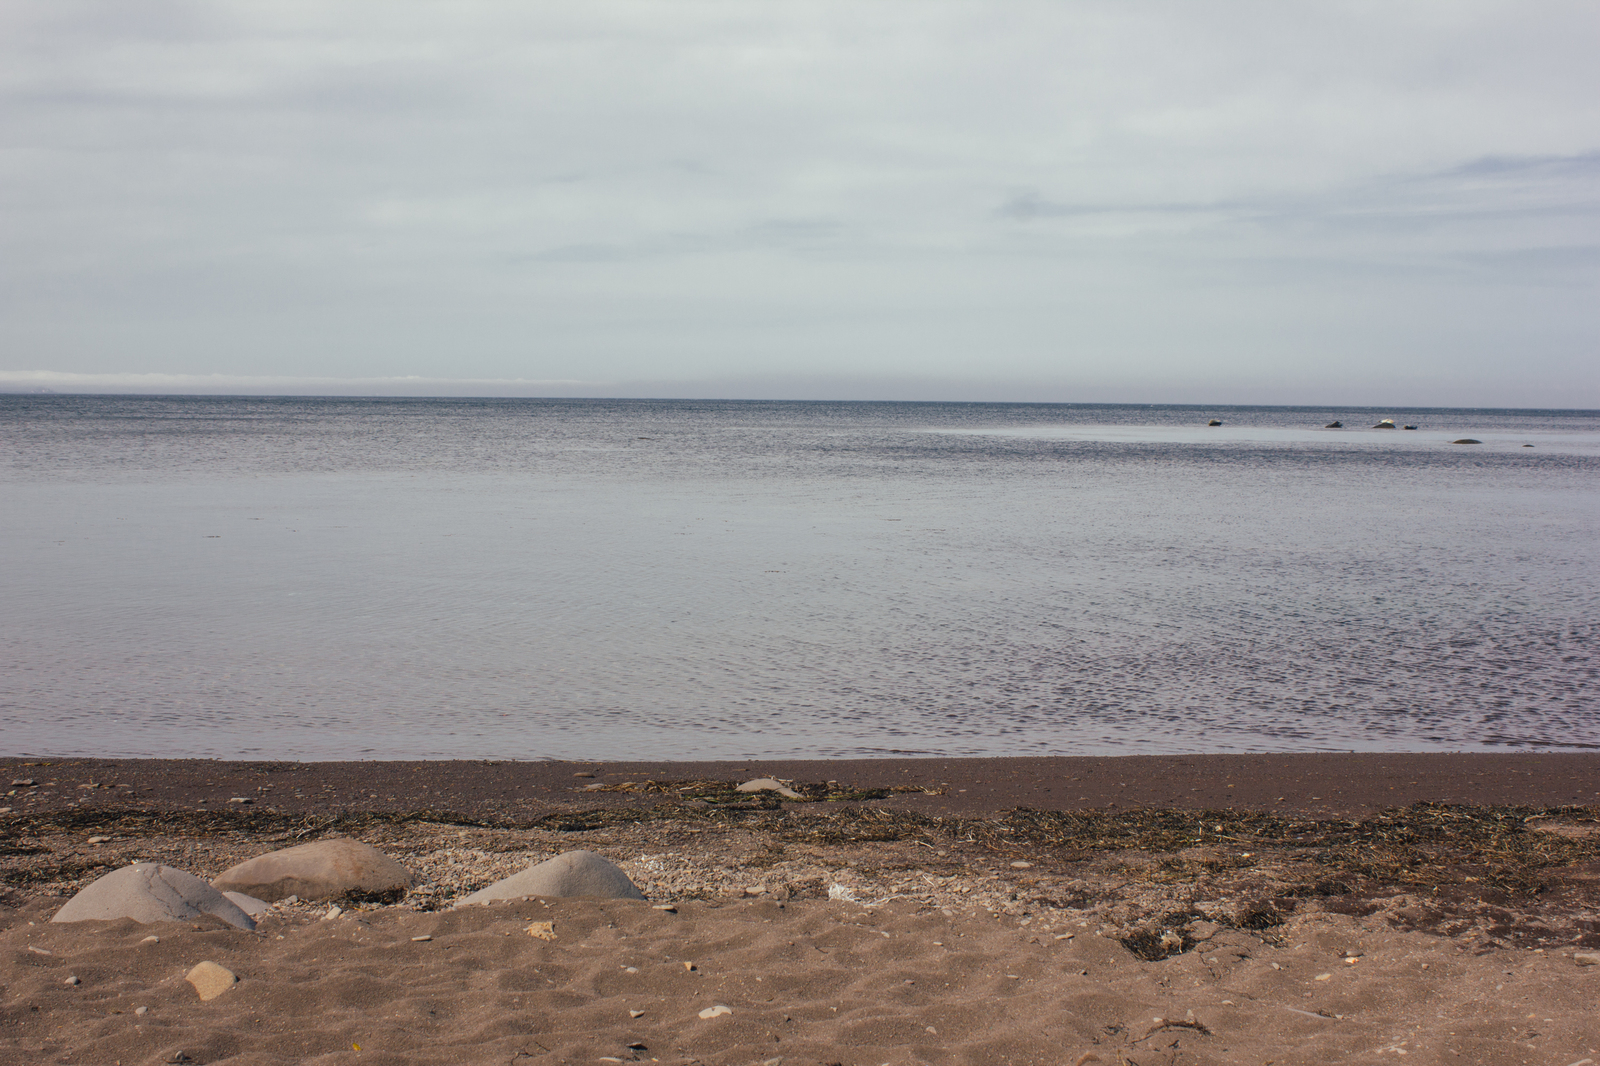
{"points": [[1319, 785]]}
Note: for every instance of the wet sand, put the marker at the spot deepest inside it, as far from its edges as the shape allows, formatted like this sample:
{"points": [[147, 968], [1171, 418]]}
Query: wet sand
{"points": [[1324, 785]]}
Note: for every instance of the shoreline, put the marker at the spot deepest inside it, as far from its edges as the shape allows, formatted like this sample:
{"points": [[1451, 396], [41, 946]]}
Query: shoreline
{"points": [[1320, 785], [923, 914]]}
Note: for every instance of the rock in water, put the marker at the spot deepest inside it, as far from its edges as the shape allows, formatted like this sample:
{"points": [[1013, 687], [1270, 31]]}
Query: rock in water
{"points": [[572, 873], [321, 870], [147, 892]]}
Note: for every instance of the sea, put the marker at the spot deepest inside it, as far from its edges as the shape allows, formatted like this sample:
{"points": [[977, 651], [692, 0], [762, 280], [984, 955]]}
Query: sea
{"points": [[337, 578]]}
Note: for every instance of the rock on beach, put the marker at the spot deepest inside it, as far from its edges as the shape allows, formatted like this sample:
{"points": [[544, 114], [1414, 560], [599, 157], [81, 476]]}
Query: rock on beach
{"points": [[148, 892], [320, 870], [572, 873]]}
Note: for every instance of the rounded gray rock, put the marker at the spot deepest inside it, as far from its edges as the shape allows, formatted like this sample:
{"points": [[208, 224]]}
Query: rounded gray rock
{"points": [[572, 873], [148, 892], [320, 870]]}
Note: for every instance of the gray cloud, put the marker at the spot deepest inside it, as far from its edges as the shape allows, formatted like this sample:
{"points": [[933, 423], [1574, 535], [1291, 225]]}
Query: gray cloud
{"points": [[1094, 196]]}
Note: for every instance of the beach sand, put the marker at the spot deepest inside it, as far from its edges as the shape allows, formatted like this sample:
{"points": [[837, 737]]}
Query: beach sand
{"points": [[936, 924]]}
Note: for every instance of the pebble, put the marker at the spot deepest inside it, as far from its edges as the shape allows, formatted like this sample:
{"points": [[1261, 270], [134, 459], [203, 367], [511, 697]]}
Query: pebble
{"points": [[141, 1011], [688, 966], [99, 840], [1064, 936], [636, 1014], [423, 939], [542, 930], [717, 1011], [287, 901], [46, 951], [26, 783], [669, 908], [240, 799], [333, 912], [151, 939], [1586, 958], [1020, 865], [72, 981], [1323, 977], [211, 980]]}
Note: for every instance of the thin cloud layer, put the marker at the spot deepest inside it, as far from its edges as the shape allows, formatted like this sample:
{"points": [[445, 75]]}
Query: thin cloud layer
{"points": [[1114, 200]]}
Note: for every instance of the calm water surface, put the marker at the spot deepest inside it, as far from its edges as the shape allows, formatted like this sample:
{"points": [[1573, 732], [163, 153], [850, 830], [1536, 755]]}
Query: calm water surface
{"points": [[334, 578]]}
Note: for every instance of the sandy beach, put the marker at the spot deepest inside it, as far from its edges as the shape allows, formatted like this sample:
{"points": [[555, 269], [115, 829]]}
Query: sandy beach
{"points": [[1261, 909]]}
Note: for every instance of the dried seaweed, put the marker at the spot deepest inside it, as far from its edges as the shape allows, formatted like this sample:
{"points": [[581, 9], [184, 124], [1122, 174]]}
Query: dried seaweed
{"points": [[1427, 846]]}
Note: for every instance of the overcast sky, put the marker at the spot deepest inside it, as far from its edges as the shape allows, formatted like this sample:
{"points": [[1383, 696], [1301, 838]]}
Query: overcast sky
{"points": [[1384, 202]]}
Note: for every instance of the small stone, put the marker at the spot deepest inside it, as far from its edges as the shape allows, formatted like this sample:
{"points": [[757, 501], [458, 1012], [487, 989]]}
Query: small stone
{"points": [[636, 1014], [583, 773], [754, 890], [211, 980], [1063, 936], [99, 840], [776, 1060], [597, 786], [1020, 865], [1586, 958], [638, 1045], [240, 799], [25, 783], [151, 939], [423, 939], [179, 1056], [542, 930], [141, 1011], [669, 908], [40, 951], [690, 966], [333, 912], [288, 901], [72, 981], [1323, 977], [716, 1012], [630, 969]]}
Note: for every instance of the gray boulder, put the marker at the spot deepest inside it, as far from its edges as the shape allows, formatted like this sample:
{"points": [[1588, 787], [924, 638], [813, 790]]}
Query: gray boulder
{"points": [[147, 892], [572, 873], [320, 870]]}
